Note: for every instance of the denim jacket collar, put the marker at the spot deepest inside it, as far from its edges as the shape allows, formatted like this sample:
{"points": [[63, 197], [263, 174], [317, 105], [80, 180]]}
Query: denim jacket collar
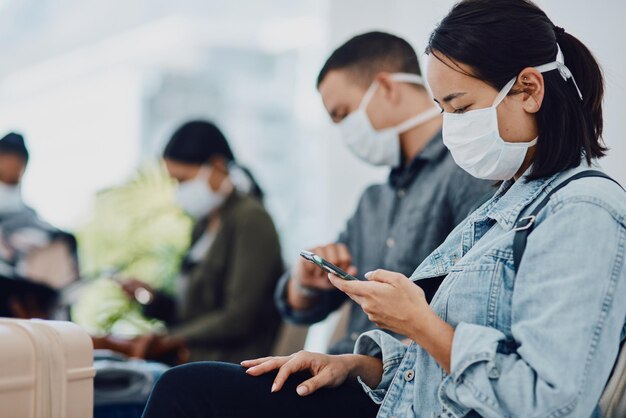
{"points": [[514, 197], [511, 199]]}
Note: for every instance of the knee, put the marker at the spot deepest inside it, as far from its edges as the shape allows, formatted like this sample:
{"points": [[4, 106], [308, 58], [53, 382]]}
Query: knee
{"points": [[171, 394], [196, 378], [175, 381]]}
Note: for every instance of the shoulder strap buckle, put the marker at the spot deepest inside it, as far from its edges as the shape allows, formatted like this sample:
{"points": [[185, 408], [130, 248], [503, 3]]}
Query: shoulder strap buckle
{"points": [[520, 226], [524, 225]]}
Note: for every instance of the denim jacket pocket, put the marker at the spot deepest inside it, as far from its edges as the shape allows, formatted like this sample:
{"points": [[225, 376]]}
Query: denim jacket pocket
{"points": [[484, 287]]}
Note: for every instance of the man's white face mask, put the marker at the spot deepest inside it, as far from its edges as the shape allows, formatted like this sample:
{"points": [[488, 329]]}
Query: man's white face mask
{"points": [[380, 147], [10, 198]]}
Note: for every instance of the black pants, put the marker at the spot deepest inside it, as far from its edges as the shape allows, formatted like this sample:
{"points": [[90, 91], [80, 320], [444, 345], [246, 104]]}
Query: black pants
{"points": [[221, 390]]}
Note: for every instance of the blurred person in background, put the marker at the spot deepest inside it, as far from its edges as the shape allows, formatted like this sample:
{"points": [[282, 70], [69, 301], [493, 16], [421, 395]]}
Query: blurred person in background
{"points": [[222, 309], [372, 88], [36, 259]]}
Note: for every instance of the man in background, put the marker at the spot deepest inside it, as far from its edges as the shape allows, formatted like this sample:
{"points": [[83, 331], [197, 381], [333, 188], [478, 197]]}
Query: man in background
{"points": [[372, 88]]}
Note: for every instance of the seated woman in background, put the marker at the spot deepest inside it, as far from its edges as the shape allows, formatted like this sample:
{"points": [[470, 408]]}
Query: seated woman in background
{"points": [[223, 308], [514, 330]]}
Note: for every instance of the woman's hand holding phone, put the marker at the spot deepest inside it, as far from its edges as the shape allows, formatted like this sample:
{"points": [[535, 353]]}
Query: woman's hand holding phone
{"points": [[311, 277], [390, 300], [393, 302]]}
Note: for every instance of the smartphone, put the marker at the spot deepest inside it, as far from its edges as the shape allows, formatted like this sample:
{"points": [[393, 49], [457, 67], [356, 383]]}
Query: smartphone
{"points": [[326, 266]]}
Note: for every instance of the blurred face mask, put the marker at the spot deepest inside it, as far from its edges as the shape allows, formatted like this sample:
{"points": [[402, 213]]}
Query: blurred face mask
{"points": [[10, 198], [474, 140], [196, 197], [380, 147]]}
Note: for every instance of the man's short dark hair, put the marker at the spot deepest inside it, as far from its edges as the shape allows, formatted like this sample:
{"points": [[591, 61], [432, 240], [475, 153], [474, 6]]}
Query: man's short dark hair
{"points": [[13, 143], [368, 54]]}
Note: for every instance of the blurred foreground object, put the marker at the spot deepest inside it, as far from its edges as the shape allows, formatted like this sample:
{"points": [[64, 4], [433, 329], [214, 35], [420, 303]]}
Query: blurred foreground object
{"points": [[136, 230], [46, 370]]}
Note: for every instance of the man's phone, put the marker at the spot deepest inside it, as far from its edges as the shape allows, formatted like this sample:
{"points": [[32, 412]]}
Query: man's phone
{"points": [[326, 266]]}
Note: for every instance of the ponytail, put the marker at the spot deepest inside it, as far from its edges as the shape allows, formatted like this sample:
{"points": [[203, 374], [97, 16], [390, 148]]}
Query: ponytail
{"points": [[588, 75], [244, 181]]}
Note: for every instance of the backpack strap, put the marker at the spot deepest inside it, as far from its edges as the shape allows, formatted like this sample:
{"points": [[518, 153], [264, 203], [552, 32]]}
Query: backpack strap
{"points": [[524, 225]]}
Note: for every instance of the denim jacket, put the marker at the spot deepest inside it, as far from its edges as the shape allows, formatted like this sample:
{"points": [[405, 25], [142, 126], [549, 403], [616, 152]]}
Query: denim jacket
{"points": [[539, 343]]}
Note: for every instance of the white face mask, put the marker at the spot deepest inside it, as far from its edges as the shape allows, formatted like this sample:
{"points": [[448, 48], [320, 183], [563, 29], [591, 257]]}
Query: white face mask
{"points": [[196, 197], [380, 147], [474, 140], [10, 198]]}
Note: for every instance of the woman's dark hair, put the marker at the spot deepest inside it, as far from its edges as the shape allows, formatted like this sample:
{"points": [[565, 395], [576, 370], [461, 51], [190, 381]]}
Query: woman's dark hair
{"points": [[197, 142], [498, 39]]}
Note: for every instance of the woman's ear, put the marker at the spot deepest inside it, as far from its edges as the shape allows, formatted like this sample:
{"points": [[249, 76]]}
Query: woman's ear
{"points": [[219, 171], [219, 163], [531, 85]]}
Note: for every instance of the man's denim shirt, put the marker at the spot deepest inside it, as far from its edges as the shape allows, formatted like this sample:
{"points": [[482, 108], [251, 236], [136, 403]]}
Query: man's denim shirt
{"points": [[539, 343]]}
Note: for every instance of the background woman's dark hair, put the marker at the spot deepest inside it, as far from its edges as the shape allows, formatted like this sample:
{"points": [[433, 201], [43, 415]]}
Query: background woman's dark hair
{"points": [[196, 142], [498, 39]]}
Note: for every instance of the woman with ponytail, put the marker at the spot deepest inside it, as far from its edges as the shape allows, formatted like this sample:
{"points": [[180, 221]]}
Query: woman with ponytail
{"points": [[530, 315]]}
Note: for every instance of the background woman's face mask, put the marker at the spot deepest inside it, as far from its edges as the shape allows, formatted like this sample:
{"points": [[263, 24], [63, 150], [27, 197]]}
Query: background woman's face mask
{"points": [[196, 197], [474, 140], [380, 147]]}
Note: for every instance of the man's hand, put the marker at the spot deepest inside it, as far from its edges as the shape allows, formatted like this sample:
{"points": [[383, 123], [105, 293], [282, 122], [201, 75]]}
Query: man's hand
{"points": [[309, 276]]}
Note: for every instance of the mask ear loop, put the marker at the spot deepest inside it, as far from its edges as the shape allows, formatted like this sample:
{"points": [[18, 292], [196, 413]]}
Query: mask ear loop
{"points": [[418, 120], [399, 77], [559, 64], [408, 78], [502, 94], [423, 117], [205, 171], [368, 95]]}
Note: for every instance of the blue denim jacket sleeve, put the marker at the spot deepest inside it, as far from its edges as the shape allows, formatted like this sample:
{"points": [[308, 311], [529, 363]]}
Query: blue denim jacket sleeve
{"points": [[379, 344], [567, 312]]}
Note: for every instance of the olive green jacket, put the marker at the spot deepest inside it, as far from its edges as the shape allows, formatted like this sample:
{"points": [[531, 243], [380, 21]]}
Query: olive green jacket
{"points": [[228, 313]]}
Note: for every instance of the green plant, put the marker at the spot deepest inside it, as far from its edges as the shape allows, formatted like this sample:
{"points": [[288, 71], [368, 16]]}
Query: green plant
{"points": [[136, 230]]}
